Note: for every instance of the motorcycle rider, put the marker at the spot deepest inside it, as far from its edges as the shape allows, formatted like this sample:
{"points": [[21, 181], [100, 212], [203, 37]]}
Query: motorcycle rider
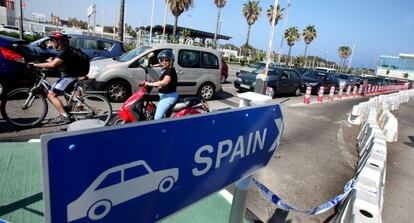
{"points": [[63, 61], [167, 85]]}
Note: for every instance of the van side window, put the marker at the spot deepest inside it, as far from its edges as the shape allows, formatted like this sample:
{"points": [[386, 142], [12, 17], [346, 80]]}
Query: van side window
{"points": [[189, 58], [110, 179], [134, 172], [209, 61]]}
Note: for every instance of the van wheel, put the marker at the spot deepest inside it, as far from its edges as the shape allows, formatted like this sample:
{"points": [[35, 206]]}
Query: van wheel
{"points": [[206, 91], [99, 210], [118, 90]]}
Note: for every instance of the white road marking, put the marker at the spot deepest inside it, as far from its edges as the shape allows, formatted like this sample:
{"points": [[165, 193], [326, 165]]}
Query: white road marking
{"points": [[227, 195], [34, 140]]}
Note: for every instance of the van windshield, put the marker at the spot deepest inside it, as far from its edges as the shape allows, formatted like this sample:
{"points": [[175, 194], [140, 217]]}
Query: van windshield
{"points": [[132, 54]]}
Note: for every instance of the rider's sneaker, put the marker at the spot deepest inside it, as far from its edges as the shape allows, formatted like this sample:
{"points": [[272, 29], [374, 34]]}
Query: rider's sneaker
{"points": [[60, 120]]}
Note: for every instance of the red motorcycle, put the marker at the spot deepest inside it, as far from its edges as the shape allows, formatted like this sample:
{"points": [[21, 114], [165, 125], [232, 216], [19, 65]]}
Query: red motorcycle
{"points": [[139, 107]]}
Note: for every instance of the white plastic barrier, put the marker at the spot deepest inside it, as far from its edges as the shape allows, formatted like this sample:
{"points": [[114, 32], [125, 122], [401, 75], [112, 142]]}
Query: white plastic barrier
{"points": [[389, 125], [365, 202], [360, 206]]}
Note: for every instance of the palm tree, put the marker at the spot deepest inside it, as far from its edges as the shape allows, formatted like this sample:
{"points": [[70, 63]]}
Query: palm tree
{"points": [[121, 21], [220, 4], [279, 14], [177, 8], [344, 53], [309, 34], [292, 36], [251, 10]]}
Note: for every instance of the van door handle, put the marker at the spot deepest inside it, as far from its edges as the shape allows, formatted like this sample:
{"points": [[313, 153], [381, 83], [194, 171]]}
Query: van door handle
{"points": [[179, 72]]}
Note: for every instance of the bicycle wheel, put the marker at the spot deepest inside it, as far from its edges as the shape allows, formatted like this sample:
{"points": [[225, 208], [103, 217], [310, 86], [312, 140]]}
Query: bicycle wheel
{"points": [[92, 106], [20, 110]]}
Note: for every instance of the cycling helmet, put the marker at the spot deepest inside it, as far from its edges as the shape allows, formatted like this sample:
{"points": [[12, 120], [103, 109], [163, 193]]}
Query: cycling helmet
{"points": [[166, 54], [58, 36]]}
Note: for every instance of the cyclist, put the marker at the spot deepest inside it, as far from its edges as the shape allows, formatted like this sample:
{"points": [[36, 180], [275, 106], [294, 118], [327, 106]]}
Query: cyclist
{"points": [[167, 85], [65, 63]]}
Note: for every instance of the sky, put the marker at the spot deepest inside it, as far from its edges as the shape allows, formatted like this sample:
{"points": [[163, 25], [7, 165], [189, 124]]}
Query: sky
{"points": [[372, 27]]}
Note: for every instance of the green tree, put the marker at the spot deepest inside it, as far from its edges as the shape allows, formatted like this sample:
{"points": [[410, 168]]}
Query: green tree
{"points": [[251, 11], [405, 75], [177, 7], [309, 34], [279, 14], [344, 53], [185, 33], [220, 4], [292, 36]]}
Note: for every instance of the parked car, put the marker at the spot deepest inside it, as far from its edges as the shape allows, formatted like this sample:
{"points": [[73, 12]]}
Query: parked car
{"points": [[347, 80], [198, 70], [258, 65], [14, 53], [326, 69], [282, 80], [316, 79], [9, 29], [94, 47], [302, 70]]}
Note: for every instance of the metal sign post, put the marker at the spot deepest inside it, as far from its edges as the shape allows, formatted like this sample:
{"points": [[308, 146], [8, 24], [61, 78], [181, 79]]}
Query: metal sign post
{"points": [[262, 79], [144, 172], [238, 207]]}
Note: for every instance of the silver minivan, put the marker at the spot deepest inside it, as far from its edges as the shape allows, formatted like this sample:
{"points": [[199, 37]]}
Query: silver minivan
{"points": [[198, 70]]}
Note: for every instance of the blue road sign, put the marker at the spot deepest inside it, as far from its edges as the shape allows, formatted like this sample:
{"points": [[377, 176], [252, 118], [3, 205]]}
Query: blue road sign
{"points": [[146, 171]]}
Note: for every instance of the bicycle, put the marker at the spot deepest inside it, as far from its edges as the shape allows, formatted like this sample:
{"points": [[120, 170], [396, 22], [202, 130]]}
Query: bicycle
{"points": [[27, 107]]}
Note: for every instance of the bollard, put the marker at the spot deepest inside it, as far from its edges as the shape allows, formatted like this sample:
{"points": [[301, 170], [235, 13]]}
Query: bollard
{"points": [[348, 92], [341, 91], [331, 93], [360, 90], [320, 94], [306, 99], [354, 92]]}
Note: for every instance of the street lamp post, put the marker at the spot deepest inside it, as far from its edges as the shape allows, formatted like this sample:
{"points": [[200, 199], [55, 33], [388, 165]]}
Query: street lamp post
{"points": [[284, 28], [152, 17], [21, 20], [262, 79], [165, 21], [217, 38]]}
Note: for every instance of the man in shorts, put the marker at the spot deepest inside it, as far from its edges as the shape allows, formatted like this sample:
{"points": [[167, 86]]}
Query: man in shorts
{"points": [[65, 64]]}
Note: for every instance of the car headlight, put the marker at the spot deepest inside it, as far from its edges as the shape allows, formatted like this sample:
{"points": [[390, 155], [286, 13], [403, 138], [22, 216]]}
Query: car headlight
{"points": [[239, 79], [313, 84], [96, 69]]}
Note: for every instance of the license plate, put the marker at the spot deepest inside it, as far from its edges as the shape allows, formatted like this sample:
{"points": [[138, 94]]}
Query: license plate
{"points": [[245, 86]]}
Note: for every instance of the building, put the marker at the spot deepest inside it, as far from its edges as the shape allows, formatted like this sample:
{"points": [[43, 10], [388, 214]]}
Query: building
{"points": [[396, 67], [7, 13]]}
